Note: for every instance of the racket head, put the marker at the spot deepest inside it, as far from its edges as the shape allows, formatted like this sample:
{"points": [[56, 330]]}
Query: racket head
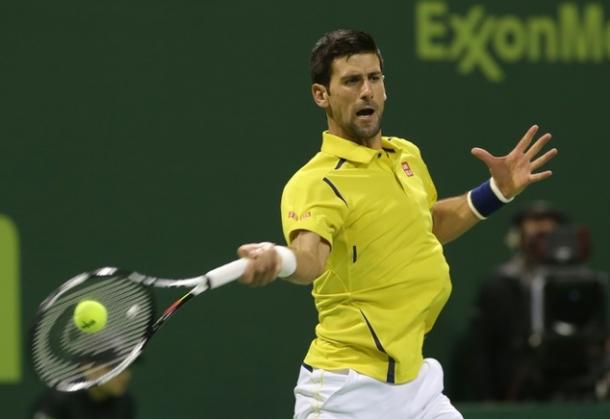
{"points": [[68, 359]]}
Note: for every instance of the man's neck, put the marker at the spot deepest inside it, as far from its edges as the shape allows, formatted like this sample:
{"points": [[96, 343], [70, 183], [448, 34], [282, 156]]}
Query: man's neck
{"points": [[373, 142]]}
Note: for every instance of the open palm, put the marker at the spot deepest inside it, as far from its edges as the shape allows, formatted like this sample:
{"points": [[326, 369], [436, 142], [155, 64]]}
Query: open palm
{"points": [[516, 170]]}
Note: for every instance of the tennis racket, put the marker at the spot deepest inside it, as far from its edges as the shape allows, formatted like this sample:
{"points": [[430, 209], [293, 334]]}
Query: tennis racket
{"points": [[68, 359]]}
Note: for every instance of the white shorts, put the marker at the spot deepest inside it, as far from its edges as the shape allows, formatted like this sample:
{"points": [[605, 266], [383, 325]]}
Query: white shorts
{"points": [[347, 394]]}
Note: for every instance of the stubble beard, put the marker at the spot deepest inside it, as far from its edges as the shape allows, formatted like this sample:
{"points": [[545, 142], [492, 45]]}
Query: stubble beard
{"points": [[362, 135]]}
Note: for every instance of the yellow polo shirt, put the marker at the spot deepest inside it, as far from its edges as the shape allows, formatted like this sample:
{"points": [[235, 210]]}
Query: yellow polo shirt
{"points": [[386, 279]]}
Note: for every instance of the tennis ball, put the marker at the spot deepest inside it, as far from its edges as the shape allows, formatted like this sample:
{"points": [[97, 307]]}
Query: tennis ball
{"points": [[90, 316]]}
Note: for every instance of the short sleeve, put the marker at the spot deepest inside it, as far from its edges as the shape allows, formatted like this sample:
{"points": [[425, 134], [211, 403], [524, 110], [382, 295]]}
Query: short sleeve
{"points": [[312, 205]]}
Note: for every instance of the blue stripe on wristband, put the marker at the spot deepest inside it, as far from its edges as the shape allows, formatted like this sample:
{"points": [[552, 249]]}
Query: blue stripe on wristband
{"points": [[483, 200]]}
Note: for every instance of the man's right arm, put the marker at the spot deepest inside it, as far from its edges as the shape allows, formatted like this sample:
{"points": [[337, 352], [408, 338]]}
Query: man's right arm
{"points": [[310, 251]]}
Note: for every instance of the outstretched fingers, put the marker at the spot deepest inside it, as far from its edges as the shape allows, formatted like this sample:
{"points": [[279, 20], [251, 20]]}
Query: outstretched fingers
{"points": [[526, 140], [544, 159], [537, 177], [483, 155], [538, 145]]}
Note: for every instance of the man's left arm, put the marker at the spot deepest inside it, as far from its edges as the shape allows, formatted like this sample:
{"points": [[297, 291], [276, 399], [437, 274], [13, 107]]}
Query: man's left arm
{"points": [[510, 175]]}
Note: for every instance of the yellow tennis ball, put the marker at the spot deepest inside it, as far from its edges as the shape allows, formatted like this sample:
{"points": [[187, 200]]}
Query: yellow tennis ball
{"points": [[90, 316]]}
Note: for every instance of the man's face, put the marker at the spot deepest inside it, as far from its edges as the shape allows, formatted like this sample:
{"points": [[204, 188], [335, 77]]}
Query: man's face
{"points": [[355, 97]]}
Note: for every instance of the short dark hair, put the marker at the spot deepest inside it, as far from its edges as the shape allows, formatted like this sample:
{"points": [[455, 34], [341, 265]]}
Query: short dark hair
{"points": [[335, 44]]}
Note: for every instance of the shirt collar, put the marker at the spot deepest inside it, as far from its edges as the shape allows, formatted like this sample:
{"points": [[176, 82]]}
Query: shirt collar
{"points": [[349, 150]]}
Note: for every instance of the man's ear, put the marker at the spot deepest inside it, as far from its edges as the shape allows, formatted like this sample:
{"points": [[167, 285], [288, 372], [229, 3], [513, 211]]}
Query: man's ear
{"points": [[320, 95]]}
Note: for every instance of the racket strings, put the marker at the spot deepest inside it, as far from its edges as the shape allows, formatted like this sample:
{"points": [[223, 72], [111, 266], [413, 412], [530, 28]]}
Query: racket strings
{"points": [[78, 343], [64, 356]]}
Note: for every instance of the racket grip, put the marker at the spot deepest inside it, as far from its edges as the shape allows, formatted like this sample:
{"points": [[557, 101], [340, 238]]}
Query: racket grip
{"points": [[227, 273], [233, 270]]}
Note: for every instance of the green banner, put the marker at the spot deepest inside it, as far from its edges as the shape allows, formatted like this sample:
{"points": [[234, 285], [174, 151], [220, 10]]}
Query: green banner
{"points": [[10, 350], [480, 40]]}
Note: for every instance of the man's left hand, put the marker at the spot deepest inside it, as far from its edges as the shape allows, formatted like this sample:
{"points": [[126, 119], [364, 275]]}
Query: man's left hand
{"points": [[516, 170]]}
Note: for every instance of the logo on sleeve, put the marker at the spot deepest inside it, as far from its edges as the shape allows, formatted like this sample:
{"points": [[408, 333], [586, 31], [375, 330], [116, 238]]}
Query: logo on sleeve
{"points": [[407, 169], [294, 216]]}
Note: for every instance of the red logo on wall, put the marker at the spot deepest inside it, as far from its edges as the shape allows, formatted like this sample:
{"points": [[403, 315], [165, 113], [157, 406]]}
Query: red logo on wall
{"points": [[407, 169]]}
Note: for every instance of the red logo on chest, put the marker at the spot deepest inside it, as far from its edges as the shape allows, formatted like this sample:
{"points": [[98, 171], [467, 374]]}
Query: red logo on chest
{"points": [[407, 169]]}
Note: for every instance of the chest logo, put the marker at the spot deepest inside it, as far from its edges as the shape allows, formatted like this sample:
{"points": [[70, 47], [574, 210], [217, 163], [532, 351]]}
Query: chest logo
{"points": [[407, 169]]}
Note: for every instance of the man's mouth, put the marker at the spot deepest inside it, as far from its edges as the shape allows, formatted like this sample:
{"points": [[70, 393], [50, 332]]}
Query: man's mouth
{"points": [[365, 113]]}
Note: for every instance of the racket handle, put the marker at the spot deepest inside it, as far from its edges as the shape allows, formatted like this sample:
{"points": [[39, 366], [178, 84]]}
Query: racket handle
{"points": [[233, 270], [227, 273]]}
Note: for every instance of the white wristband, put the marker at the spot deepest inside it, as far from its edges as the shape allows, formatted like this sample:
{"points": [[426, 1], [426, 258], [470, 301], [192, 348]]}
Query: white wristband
{"points": [[289, 261], [498, 192]]}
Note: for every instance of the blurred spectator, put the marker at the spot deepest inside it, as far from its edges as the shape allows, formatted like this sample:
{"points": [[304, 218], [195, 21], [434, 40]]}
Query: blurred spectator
{"points": [[110, 400], [539, 328]]}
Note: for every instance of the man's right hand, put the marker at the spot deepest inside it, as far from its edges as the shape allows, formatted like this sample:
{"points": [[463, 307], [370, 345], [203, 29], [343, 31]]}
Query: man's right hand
{"points": [[265, 264], [310, 251]]}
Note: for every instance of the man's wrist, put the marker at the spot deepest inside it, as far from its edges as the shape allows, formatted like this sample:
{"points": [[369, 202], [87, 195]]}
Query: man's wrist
{"points": [[486, 199], [496, 190]]}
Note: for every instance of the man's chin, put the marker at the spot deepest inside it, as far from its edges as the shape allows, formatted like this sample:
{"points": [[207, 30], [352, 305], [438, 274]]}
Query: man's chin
{"points": [[363, 134]]}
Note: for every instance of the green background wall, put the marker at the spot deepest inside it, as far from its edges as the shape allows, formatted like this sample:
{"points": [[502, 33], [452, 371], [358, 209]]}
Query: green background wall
{"points": [[158, 136]]}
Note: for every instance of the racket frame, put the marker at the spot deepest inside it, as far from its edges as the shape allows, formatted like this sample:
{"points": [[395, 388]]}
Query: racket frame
{"points": [[213, 279]]}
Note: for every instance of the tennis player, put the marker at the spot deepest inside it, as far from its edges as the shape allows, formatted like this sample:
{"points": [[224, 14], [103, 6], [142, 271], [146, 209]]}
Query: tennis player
{"points": [[364, 226]]}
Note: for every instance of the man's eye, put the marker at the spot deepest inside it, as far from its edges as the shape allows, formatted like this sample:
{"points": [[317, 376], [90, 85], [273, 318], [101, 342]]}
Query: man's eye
{"points": [[352, 80], [375, 77]]}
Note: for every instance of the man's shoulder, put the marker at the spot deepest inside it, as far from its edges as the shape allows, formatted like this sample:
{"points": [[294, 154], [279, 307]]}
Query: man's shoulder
{"points": [[315, 169]]}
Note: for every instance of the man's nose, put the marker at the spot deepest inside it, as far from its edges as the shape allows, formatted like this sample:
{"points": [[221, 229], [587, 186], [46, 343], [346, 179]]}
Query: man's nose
{"points": [[367, 90]]}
